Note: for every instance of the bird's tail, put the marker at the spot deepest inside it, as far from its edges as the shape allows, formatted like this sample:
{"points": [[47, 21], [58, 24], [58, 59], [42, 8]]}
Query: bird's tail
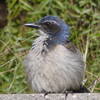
{"points": [[82, 89]]}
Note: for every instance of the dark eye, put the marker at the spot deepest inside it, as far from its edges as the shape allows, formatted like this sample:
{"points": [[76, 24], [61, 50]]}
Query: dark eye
{"points": [[47, 23], [50, 26]]}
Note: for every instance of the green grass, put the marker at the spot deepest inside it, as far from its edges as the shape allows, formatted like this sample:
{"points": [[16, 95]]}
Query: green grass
{"points": [[83, 17]]}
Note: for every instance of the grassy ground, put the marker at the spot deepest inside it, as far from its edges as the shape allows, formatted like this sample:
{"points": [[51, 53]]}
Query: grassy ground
{"points": [[83, 16]]}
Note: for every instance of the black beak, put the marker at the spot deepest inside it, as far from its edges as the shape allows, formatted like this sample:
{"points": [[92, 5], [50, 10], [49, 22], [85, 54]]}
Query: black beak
{"points": [[33, 25]]}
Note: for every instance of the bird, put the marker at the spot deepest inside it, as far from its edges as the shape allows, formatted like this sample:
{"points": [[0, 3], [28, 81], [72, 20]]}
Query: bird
{"points": [[54, 64]]}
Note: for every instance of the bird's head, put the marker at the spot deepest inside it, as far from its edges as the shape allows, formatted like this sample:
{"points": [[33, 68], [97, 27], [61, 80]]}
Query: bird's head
{"points": [[52, 26]]}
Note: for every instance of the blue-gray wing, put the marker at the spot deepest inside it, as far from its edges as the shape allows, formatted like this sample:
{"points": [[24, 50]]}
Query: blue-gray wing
{"points": [[71, 47]]}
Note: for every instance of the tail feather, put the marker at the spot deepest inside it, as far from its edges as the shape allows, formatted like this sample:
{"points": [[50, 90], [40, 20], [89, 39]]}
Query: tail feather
{"points": [[82, 89]]}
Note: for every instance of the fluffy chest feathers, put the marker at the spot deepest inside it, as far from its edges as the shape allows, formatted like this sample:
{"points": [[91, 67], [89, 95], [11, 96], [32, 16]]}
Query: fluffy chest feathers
{"points": [[56, 70]]}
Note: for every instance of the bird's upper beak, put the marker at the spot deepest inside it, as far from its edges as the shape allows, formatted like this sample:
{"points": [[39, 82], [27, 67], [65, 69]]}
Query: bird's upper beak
{"points": [[33, 25]]}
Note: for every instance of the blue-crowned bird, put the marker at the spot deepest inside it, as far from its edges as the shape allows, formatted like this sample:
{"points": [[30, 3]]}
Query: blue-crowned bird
{"points": [[54, 64]]}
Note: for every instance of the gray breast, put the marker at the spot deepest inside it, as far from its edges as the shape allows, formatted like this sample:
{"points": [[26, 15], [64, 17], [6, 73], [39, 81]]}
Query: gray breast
{"points": [[57, 71]]}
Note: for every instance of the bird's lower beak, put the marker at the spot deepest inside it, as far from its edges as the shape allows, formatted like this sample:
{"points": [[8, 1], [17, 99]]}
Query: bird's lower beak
{"points": [[32, 25]]}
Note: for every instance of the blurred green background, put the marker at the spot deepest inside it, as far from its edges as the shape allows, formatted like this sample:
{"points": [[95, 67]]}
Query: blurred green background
{"points": [[83, 17]]}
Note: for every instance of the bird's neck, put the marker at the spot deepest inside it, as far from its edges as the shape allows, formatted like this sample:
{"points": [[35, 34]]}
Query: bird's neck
{"points": [[61, 37], [47, 43]]}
